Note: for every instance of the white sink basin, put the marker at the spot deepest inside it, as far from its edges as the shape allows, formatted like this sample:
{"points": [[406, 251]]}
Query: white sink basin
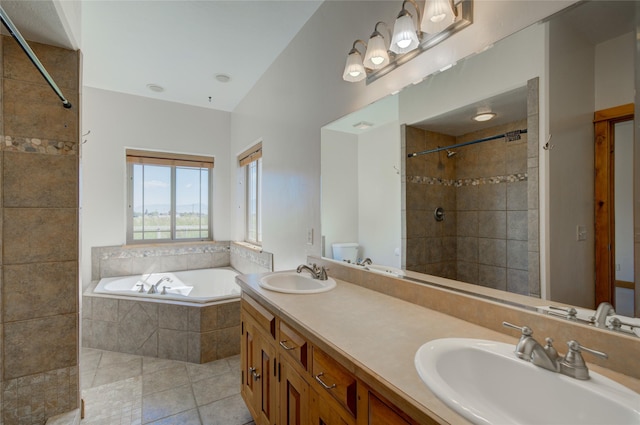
{"points": [[296, 283], [487, 384]]}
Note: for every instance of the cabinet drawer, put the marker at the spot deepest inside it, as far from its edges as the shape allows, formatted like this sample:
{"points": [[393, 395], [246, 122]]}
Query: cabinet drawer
{"points": [[265, 320], [335, 379], [294, 345]]}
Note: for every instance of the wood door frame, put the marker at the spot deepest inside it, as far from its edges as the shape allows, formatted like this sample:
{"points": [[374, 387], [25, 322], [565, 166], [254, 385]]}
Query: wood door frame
{"points": [[604, 122]]}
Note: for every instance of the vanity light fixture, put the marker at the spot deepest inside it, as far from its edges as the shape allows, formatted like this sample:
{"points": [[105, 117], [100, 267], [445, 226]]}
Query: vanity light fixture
{"points": [[377, 56], [405, 36], [438, 15], [485, 116], [354, 69], [413, 33]]}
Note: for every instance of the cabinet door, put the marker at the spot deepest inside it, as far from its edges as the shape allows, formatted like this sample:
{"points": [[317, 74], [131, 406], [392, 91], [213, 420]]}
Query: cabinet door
{"points": [[294, 396], [249, 386], [258, 373]]}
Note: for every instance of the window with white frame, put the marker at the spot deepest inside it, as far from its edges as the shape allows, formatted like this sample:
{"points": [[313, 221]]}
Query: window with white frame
{"points": [[251, 160], [169, 197]]}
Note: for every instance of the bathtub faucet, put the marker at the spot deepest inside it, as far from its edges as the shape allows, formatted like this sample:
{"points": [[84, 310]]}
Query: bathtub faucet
{"points": [[154, 288]]}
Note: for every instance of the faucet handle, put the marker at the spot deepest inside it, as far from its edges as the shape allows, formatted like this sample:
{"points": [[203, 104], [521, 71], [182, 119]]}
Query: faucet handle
{"points": [[526, 330], [573, 363], [574, 346]]}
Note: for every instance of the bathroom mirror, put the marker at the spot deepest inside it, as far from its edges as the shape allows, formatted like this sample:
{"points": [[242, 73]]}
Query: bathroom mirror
{"points": [[366, 168]]}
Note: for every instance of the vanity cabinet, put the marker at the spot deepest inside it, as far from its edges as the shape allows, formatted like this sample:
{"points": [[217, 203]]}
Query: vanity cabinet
{"points": [[259, 367], [287, 380]]}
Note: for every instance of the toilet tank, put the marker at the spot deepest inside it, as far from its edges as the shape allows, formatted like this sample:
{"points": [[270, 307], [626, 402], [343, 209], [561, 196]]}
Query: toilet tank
{"points": [[345, 251]]}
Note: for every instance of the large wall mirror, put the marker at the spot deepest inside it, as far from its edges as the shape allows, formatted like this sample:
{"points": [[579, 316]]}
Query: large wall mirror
{"points": [[506, 203]]}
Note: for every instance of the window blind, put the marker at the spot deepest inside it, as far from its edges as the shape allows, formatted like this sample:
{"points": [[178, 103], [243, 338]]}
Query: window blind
{"points": [[254, 153], [175, 159]]}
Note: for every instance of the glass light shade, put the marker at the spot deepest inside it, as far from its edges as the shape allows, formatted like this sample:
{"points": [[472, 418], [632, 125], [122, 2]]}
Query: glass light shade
{"points": [[354, 69], [377, 55], [405, 38], [438, 15]]}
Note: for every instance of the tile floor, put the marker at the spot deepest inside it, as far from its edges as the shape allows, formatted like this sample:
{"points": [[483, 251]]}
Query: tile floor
{"points": [[121, 389]]}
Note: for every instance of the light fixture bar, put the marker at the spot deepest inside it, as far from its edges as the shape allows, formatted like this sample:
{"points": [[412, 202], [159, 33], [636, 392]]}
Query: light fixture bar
{"points": [[465, 18]]}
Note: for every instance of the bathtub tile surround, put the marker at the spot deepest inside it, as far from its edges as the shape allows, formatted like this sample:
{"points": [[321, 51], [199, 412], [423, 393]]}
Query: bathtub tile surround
{"points": [[39, 181], [190, 333], [250, 259], [193, 333]]}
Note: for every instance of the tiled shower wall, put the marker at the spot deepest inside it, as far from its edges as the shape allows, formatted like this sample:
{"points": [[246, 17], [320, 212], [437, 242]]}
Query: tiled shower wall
{"points": [[489, 192], [39, 211]]}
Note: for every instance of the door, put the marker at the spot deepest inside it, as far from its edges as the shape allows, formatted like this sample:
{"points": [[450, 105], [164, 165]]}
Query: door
{"points": [[610, 208]]}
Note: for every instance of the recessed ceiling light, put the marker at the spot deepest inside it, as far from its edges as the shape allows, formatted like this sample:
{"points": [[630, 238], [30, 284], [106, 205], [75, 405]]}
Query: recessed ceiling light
{"points": [[486, 116], [155, 87], [362, 125], [223, 78]]}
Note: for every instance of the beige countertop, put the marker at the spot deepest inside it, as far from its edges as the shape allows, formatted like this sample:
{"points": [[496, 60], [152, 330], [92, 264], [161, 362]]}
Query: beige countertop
{"points": [[379, 335]]}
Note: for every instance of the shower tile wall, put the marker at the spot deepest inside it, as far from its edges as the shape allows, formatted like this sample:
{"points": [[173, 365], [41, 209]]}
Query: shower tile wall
{"points": [[430, 244], [39, 226], [483, 190], [491, 199]]}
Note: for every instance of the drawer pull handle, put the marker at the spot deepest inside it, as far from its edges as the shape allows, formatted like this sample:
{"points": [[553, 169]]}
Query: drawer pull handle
{"points": [[285, 346], [254, 373], [326, 387]]}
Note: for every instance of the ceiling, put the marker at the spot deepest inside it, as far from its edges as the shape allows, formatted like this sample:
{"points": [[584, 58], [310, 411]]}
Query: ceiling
{"points": [[180, 45]]}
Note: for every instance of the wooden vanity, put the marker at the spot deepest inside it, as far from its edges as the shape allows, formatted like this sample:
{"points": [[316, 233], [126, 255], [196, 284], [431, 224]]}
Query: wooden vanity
{"points": [[345, 356]]}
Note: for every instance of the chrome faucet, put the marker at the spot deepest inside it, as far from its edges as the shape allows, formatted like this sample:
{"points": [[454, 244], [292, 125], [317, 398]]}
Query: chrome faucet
{"points": [[604, 310], [316, 272], [154, 288], [530, 350], [572, 364]]}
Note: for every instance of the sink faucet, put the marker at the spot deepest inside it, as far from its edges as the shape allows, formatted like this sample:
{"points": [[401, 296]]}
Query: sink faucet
{"points": [[530, 350], [604, 310], [572, 364], [316, 272], [154, 288], [364, 262]]}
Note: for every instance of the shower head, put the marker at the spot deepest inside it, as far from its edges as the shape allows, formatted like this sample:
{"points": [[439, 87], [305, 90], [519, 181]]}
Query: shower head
{"points": [[450, 153]]}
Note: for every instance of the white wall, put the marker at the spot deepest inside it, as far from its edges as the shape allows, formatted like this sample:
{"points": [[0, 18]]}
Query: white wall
{"points": [[118, 121], [571, 172], [614, 72], [303, 90], [379, 223], [624, 200], [339, 189]]}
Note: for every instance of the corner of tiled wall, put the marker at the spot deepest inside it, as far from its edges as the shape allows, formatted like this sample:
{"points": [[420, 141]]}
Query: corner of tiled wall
{"points": [[248, 259], [39, 216]]}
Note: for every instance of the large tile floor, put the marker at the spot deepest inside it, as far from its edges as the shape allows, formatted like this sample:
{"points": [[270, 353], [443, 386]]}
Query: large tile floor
{"points": [[121, 389]]}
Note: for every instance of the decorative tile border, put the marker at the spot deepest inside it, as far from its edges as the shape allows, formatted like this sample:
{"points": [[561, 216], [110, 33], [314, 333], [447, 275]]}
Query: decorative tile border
{"points": [[510, 178], [145, 251], [35, 145], [254, 256]]}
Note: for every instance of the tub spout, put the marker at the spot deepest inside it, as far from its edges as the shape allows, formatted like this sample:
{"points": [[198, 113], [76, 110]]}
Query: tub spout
{"points": [[154, 288]]}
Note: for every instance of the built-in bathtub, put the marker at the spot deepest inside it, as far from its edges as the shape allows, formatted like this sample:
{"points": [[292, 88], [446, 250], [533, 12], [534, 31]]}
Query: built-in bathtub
{"points": [[198, 286], [197, 319]]}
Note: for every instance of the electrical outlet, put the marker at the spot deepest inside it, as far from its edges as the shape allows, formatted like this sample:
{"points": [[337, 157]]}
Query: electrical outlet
{"points": [[581, 233], [310, 236]]}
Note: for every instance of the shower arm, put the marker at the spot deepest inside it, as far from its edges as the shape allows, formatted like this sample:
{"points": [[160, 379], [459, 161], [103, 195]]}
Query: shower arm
{"points": [[32, 56], [510, 136]]}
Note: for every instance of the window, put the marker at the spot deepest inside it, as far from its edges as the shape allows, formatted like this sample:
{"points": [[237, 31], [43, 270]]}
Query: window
{"points": [[251, 160], [169, 197]]}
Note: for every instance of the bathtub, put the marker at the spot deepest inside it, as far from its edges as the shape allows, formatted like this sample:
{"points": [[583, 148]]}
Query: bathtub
{"points": [[197, 286]]}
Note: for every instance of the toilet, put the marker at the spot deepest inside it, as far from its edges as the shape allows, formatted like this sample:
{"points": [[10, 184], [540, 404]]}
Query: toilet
{"points": [[345, 252]]}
